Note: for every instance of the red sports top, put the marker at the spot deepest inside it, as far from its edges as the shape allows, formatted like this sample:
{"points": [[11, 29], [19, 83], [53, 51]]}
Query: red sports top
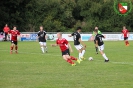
{"points": [[125, 32], [6, 29], [14, 34], [62, 43]]}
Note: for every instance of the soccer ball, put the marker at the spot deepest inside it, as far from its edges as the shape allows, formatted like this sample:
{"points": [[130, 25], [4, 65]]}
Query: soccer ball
{"points": [[90, 58]]}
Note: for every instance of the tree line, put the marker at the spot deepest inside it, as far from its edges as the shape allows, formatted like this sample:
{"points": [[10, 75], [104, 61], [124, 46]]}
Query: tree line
{"points": [[63, 15]]}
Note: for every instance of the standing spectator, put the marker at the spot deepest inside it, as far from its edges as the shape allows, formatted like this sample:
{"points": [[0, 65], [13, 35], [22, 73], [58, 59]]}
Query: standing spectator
{"points": [[6, 29]]}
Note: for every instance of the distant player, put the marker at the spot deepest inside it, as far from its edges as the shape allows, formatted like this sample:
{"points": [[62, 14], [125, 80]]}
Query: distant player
{"points": [[14, 33], [6, 29], [93, 38], [79, 45], [125, 33], [64, 47], [100, 44], [42, 39]]}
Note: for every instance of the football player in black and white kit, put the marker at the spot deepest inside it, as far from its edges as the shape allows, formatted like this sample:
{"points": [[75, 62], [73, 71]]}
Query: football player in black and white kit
{"points": [[42, 39], [79, 45], [100, 44]]}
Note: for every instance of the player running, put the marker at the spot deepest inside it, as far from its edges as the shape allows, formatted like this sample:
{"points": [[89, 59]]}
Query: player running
{"points": [[93, 38], [125, 33], [78, 43], [14, 33], [64, 47], [100, 44], [42, 39]]}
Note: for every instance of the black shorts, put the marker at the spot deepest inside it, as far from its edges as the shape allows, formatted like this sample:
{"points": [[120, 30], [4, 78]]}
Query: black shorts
{"points": [[14, 42], [66, 52], [6, 34], [125, 38]]}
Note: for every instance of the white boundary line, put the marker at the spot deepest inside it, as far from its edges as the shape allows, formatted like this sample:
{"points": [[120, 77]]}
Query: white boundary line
{"points": [[124, 63]]}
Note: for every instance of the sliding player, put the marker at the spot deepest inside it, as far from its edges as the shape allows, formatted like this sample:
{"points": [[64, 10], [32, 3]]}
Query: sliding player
{"points": [[78, 43], [100, 44], [14, 33], [125, 33], [42, 39], [93, 38], [65, 46]]}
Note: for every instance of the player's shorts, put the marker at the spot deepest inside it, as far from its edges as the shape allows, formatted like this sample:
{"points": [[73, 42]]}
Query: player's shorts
{"points": [[42, 43], [101, 48], [14, 42], [66, 52], [78, 47], [125, 38], [6, 33]]}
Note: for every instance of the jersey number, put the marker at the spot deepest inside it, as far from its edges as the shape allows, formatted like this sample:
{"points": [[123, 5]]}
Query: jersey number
{"points": [[100, 39], [74, 37]]}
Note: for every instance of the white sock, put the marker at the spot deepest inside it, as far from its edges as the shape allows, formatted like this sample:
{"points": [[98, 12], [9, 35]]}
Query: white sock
{"points": [[42, 48], [80, 55], [104, 56], [83, 52]]}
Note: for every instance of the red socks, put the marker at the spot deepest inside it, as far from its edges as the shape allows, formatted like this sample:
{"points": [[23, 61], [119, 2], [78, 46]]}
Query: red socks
{"points": [[73, 58], [70, 61], [126, 42]]}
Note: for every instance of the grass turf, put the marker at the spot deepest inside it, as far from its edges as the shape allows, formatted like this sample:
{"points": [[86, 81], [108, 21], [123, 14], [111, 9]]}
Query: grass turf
{"points": [[32, 69]]}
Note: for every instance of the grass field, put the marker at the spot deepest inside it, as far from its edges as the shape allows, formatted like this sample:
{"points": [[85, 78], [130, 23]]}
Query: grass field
{"points": [[32, 69]]}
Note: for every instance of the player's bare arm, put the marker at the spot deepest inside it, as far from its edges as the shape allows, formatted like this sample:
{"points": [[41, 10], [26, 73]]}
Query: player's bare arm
{"points": [[104, 36], [82, 42], [69, 35], [70, 47], [128, 34], [46, 36], [37, 38], [54, 45]]}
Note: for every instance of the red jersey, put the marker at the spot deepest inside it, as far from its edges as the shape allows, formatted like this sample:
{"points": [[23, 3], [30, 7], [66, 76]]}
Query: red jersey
{"points": [[62, 43], [14, 34], [6, 29], [125, 32]]}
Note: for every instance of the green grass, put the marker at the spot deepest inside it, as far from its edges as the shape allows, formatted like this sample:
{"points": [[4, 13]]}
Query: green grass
{"points": [[32, 69]]}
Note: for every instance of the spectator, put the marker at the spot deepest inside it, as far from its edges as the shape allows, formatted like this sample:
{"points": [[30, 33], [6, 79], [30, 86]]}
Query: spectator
{"points": [[6, 29]]}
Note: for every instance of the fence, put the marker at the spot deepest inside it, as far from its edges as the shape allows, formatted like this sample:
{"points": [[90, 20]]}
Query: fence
{"points": [[32, 36]]}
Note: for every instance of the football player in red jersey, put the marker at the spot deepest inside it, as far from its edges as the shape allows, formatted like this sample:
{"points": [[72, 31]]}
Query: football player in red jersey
{"points": [[65, 46], [125, 33], [14, 33]]}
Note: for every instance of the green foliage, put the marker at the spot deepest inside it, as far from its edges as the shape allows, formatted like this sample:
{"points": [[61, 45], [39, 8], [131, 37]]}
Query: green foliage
{"points": [[63, 15]]}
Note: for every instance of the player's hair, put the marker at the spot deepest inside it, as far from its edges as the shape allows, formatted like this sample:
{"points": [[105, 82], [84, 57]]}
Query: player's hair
{"points": [[96, 31], [41, 26], [79, 28], [59, 33], [14, 26]]}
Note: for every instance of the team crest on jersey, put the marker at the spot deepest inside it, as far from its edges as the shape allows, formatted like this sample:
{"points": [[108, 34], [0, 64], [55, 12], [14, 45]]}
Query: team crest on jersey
{"points": [[122, 8]]}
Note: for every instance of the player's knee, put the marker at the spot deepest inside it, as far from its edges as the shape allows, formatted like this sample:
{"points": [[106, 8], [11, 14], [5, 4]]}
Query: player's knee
{"points": [[80, 51], [101, 52], [64, 57]]}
